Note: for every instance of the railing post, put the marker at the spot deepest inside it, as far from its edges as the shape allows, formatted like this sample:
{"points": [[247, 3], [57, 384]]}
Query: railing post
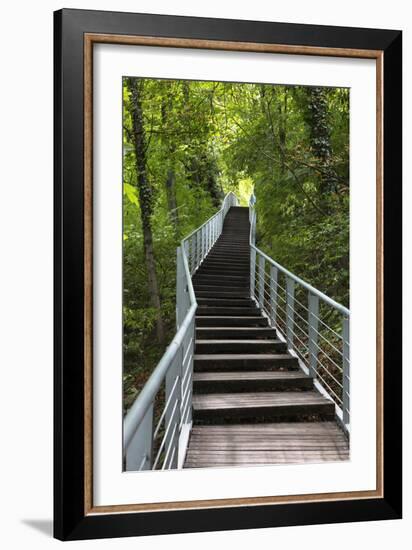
{"points": [[189, 251], [198, 249], [253, 230], [261, 281], [186, 250], [252, 272], [180, 288], [346, 371], [139, 453], [193, 241], [187, 417], [174, 412], [194, 246], [175, 371], [204, 236], [290, 311], [313, 323], [273, 293]]}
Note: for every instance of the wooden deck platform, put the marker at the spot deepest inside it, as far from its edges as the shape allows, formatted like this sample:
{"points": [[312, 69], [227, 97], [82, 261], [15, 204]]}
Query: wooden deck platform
{"points": [[260, 444]]}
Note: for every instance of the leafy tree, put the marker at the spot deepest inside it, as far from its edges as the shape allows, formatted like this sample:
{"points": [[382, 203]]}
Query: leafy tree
{"points": [[138, 138]]}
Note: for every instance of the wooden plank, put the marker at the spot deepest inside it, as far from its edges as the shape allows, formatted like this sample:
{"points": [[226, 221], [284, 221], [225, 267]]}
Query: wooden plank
{"points": [[247, 361], [249, 375], [276, 440], [232, 456], [254, 447], [274, 427], [265, 460], [229, 400]]}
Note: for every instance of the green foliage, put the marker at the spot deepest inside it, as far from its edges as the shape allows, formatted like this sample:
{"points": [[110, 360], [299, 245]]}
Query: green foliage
{"points": [[289, 143]]}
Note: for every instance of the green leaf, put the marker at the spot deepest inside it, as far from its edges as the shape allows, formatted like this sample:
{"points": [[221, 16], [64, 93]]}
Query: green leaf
{"points": [[131, 193]]}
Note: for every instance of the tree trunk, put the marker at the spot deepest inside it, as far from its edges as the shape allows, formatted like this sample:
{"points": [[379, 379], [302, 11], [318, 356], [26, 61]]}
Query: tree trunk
{"points": [[171, 199], [320, 137], [166, 108], [282, 131], [145, 191]]}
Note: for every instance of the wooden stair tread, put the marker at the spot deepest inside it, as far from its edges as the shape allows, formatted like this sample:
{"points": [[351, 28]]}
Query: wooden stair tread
{"points": [[237, 332], [224, 302], [249, 375], [257, 399], [271, 429], [244, 361], [230, 317], [234, 356], [238, 321], [242, 289], [255, 345], [228, 311], [229, 381], [256, 458]]}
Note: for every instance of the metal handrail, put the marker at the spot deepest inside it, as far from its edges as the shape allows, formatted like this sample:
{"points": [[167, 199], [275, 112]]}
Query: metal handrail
{"points": [[339, 307], [138, 425], [266, 290], [140, 406]]}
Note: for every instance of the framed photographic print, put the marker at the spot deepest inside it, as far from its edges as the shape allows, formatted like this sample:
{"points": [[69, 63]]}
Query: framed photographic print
{"points": [[227, 274]]}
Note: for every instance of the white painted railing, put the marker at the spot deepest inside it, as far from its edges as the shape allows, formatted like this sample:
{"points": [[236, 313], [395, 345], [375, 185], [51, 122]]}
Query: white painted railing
{"points": [[156, 429], [315, 327]]}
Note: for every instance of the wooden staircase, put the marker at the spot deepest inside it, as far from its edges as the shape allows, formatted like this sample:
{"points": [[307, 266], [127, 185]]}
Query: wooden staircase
{"points": [[252, 403]]}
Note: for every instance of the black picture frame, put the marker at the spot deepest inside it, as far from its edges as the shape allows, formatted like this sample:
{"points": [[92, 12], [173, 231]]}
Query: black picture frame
{"points": [[71, 521]]}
